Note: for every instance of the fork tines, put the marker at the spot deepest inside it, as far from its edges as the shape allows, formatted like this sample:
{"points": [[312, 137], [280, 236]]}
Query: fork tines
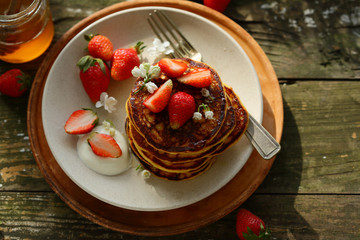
{"points": [[166, 30]]}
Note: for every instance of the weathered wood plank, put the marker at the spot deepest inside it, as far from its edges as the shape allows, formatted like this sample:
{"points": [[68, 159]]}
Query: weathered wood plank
{"points": [[304, 39], [320, 146], [18, 170], [44, 216]]}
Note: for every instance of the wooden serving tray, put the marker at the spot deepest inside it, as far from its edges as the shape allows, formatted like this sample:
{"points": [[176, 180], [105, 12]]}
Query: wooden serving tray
{"points": [[174, 221]]}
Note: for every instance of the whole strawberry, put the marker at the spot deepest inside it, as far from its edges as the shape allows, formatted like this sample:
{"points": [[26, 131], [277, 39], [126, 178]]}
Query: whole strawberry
{"points": [[94, 75], [100, 46], [14, 83], [181, 108], [250, 226], [218, 5], [124, 60]]}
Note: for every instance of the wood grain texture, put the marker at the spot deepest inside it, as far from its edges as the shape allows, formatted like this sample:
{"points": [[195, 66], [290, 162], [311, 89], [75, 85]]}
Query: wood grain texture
{"points": [[44, 216], [305, 39], [321, 145]]}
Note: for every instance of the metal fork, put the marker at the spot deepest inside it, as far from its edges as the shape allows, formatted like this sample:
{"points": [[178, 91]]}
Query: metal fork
{"points": [[166, 30]]}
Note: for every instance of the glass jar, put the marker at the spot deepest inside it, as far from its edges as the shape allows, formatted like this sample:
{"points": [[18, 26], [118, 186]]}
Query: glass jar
{"points": [[26, 29]]}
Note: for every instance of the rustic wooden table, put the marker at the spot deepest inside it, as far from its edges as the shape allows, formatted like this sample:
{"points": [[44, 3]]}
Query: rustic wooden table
{"points": [[313, 189]]}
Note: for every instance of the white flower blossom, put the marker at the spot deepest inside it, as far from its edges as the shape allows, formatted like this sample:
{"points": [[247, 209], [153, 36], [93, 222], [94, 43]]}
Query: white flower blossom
{"points": [[197, 116], [209, 115], [145, 174], [109, 127], [106, 125], [107, 102], [159, 47], [112, 132], [139, 71], [205, 92], [154, 72], [146, 71], [151, 87]]}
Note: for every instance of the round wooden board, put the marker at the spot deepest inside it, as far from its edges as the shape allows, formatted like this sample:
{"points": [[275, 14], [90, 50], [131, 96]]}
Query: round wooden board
{"points": [[173, 221]]}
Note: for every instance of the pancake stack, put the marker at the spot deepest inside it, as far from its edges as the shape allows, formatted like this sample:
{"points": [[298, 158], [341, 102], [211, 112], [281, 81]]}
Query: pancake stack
{"points": [[189, 151]]}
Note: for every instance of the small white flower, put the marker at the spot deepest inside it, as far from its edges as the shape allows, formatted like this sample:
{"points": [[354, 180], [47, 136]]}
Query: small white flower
{"points": [[107, 102], [112, 131], [151, 87], [145, 174], [160, 47], [197, 116], [145, 70], [154, 72], [139, 71], [205, 92], [209, 115], [106, 124]]}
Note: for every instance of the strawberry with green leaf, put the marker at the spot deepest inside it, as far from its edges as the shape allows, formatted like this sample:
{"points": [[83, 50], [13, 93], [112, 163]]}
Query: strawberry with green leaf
{"points": [[94, 75], [250, 226], [124, 60], [14, 82]]}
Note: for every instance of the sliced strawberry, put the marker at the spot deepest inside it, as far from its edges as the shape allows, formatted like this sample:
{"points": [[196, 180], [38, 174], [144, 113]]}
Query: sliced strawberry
{"points": [[200, 78], [81, 121], [159, 100], [173, 68], [181, 108], [104, 145]]}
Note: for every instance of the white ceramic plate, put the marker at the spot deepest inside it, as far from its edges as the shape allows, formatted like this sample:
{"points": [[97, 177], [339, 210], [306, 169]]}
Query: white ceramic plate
{"points": [[63, 94]]}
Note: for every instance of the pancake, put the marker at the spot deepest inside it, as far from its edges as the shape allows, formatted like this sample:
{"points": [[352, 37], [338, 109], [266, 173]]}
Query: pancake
{"points": [[224, 131], [242, 121], [152, 158], [189, 151], [175, 176], [193, 135]]}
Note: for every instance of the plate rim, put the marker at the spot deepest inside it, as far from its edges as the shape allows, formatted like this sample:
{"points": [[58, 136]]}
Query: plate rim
{"points": [[48, 167]]}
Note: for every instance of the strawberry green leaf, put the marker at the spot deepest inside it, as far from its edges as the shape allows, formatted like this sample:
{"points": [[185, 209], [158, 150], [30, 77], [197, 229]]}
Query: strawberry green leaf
{"points": [[89, 37], [25, 80], [87, 61], [139, 47], [101, 64], [250, 235]]}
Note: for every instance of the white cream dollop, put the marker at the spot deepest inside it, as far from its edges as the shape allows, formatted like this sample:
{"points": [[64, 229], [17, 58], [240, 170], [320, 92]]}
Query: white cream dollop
{"points": [[104, 165]]}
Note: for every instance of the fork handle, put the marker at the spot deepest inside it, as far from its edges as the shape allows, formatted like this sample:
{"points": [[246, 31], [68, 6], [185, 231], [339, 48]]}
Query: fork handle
{"points": [[261, 139]]}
